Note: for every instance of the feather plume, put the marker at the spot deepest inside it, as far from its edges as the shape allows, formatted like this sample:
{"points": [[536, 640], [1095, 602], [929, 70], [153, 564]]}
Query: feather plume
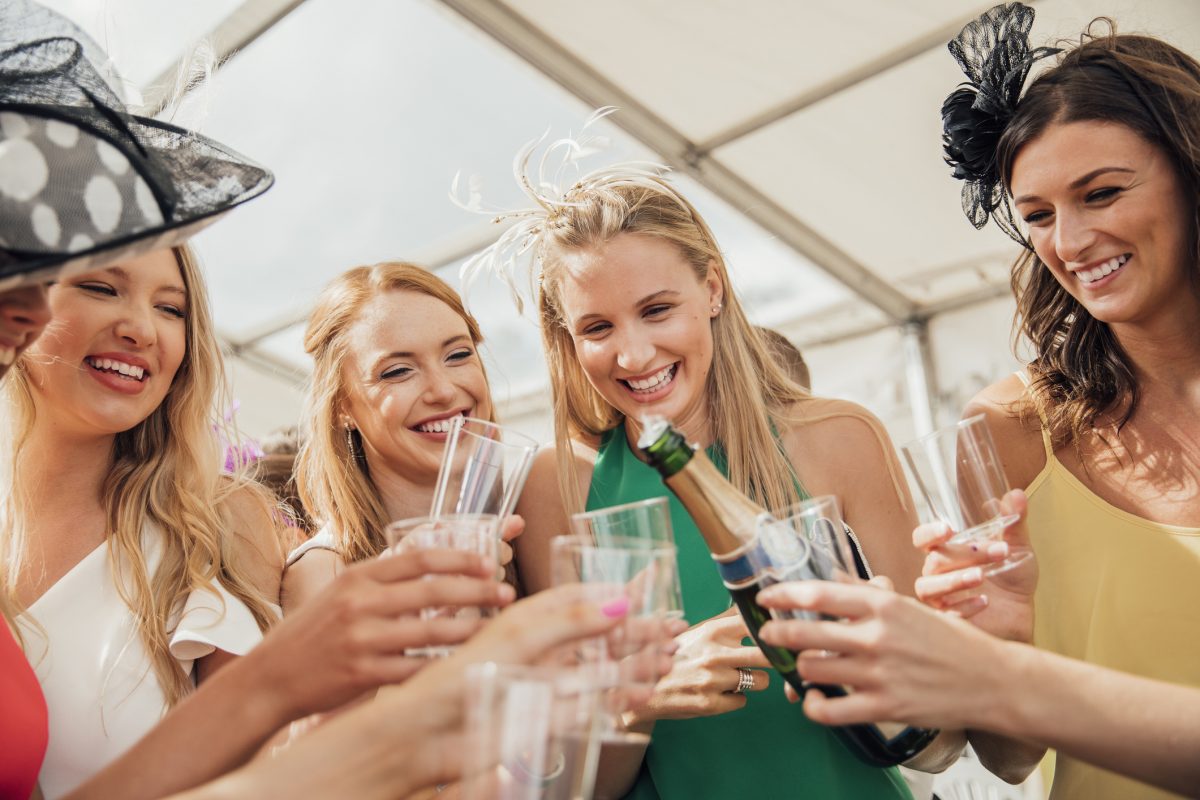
{"points": [[550, 189]]}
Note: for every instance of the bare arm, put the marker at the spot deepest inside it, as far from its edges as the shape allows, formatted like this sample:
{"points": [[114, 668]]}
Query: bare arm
{"points": [[909, 662], [343, 644]]}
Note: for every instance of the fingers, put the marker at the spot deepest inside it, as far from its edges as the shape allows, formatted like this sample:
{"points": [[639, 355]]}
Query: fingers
{"points": [[853, 708], [415, 563], [454, 590], [762, 680], [393, 637], [726, 627], [882, 582], [933, 589], [799, 635], [931, 535], [536, 625], [513, 527], [740, 657], [827, 597], [504, 553]]}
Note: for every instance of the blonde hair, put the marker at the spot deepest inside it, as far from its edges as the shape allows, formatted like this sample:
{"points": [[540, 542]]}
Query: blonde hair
{"points": [[595, 211], [165, 476], [333, 477]]}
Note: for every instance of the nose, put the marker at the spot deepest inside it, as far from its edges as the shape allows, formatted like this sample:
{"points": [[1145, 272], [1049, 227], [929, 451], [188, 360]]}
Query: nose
{"points": [[136, 325], [1073, 236], [634, 353], [26, 309], [439, 389]]}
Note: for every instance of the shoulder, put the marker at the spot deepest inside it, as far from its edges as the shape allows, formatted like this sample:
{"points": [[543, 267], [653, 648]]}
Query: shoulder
{"points": [[543, 474], [254, 532], [1018, 442], [833, 428]]}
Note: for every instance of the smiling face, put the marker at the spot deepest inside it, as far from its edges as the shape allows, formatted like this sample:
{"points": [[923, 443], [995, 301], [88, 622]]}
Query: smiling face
{"points": [[24, 313], [410, 368], [118, 337], [1107, 215], [640, 321]]}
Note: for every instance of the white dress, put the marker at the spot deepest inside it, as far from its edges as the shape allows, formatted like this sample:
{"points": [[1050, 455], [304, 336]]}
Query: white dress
{"points": [[101, 690]]}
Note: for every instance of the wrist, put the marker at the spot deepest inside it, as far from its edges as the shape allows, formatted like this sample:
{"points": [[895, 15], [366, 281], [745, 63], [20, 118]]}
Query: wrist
{"points": [[262, 696], [1002, 706]]}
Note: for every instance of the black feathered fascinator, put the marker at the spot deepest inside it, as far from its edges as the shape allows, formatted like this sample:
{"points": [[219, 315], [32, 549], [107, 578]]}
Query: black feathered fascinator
{"points": [[83, 181], [993, 51]]}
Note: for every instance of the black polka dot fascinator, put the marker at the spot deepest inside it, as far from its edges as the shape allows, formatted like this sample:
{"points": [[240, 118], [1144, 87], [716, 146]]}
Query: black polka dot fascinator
{"points": [[84, 182]]}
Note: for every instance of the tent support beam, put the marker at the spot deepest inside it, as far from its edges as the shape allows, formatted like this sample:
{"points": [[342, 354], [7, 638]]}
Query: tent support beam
{"points": [[920, 376], [527, 41]]}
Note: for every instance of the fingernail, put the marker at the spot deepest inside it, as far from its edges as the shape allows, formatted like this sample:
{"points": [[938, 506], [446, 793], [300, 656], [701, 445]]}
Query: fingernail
{"points": [[973, 574], [506, 592], [997, 550], [615, 608]]}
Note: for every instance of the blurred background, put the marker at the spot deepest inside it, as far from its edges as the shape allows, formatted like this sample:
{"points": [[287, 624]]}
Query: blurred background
{"points": [[807, 133]]}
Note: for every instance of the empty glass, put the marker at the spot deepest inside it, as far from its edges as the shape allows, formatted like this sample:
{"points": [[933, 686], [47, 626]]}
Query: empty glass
{"points": [[649, 520], [483, 469], [962, 480], [529, 734], [473, 533], [621, 664]]}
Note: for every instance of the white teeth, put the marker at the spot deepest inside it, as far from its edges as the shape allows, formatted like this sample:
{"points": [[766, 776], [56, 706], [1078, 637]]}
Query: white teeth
{"points": [[1107, 268], [120, 367], [654, 381], [437, 426]]}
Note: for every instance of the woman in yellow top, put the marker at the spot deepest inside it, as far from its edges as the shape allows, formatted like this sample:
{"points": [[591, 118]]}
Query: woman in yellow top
{"points": [[1100, 159]]}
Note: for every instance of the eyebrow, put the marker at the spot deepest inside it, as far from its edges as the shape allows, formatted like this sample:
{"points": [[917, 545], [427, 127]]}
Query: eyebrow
{"points": [[1078, 182], [410, 354], [648, 298], [123, 275]]}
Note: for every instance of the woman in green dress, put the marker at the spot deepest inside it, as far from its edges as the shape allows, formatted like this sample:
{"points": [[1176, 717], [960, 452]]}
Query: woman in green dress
{"points": [[638, 316]]}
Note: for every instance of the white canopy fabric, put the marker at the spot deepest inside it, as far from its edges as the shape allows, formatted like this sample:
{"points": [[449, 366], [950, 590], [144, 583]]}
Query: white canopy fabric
{"points": [[808, 134]]}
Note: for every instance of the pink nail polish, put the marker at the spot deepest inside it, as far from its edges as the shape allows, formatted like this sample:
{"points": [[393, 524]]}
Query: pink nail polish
{"points": [[615, 608]]}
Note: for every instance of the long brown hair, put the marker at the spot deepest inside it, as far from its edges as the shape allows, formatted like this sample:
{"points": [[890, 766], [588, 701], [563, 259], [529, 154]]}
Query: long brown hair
{"points": [[742, 421], [1082, 376], [333, 477]]}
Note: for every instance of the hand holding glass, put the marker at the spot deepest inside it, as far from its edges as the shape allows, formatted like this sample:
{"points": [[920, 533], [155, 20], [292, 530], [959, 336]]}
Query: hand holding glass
{"points": [[962, 480]]}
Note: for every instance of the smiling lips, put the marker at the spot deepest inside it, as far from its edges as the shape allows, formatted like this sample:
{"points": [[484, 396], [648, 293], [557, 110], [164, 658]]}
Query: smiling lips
{"points": [[440, 425], [646, 388], [1107, 268], [122, 369]]}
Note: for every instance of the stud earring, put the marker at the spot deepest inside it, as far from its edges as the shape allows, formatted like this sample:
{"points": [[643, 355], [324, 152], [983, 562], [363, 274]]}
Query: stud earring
{"points": [[717, 308]]}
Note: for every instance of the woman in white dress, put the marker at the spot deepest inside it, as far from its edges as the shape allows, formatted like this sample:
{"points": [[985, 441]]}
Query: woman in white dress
{"points": [[136, 566]]}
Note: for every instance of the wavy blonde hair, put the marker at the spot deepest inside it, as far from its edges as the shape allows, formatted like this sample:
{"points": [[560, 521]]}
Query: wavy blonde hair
{"points": [[166, 477], [595, 211], [333, 477]]}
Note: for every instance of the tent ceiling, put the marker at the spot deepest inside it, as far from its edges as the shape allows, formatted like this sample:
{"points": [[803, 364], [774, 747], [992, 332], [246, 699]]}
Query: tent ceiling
{"points": [[818, 124]]}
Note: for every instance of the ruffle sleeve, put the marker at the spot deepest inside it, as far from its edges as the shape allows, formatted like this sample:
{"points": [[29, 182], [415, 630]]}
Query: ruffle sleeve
{"points": [[213, 619]]}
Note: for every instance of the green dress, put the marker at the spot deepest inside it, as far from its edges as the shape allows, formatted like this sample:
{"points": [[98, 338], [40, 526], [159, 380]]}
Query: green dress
{"points": [[768, 750]]}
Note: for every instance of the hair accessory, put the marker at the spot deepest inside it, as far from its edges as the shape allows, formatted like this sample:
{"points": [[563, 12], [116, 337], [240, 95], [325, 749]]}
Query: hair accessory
{"points": [[83, 181], [547, 188], [993, 51]]}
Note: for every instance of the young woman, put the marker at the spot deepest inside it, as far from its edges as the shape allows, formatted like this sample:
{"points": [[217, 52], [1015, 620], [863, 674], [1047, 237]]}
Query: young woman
{"points": [[639, 317], [1099, 159], [138, 569], [395, 358]]}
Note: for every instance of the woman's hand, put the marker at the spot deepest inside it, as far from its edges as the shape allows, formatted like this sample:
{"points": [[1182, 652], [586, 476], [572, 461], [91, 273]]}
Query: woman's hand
{"points": [[905, 662], [514, 526], [953, 580], [705, 674], [351, 637]]}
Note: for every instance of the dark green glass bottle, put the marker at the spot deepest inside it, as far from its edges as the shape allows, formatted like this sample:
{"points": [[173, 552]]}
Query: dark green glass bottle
{"points": [[728, 521]]}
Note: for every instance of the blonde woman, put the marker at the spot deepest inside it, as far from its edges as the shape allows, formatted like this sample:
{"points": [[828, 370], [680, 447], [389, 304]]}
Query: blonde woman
{"points": [[638, 316], [135, 568], [395, 357]]}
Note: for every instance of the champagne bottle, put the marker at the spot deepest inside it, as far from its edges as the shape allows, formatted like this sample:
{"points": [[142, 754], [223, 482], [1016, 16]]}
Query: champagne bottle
{"points": [[729, 522]]}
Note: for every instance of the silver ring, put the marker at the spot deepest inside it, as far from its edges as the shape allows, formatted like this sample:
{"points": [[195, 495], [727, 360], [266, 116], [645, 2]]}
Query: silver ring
{"points": [[745, 681]]}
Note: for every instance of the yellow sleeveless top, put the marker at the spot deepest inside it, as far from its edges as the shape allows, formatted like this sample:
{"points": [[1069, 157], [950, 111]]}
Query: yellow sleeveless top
{"points": [[1115, 590]]}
